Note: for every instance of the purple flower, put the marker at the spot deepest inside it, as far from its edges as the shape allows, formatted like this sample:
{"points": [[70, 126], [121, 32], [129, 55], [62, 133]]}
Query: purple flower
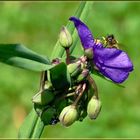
{"points": [[111, 62]]}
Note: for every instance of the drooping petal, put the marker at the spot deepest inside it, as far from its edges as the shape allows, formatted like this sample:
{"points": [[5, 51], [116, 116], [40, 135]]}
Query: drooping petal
{"points": [[113, 63], [85, 34], [113, 58], [116, 75]]}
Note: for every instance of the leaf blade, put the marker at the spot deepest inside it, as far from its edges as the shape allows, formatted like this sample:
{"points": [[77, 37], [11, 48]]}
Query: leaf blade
{"points": [[58, 73], [38, 129], [28, 125], [22, 57]]}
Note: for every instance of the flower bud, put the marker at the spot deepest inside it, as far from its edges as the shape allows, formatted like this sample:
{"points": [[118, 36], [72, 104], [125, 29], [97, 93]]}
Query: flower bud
{"points": [[68, 115], [83, 75], [65, 38], [74, 69], [94, 107], [89, 53]]}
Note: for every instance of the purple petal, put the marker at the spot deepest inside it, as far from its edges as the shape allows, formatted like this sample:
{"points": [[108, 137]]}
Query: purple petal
{"points": [[116, 75], [113, 63], [98, 45], [85, 34], [113, 58]]}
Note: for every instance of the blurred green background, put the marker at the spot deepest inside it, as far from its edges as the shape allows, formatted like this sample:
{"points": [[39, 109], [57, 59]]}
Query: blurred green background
{"points": [[36, 25]]}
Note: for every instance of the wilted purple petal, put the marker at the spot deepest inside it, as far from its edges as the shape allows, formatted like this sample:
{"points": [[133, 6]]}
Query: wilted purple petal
{"points": [[113, 63], [85, 34]]}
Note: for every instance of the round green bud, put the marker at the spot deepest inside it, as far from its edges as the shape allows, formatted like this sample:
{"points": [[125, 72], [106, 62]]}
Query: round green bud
{"points": [[68, 115], [83, 75], [89, 53], [93, 108], [74, 69], [65, 38]]}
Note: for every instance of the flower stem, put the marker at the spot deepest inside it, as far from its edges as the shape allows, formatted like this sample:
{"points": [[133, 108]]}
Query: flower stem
{"points": [[94, 86], [67, 56], [42, 81], [80, 94]]}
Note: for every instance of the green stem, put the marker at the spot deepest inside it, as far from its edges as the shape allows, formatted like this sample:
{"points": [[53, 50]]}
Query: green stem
{"points": [[94, 86], [67, 56]]}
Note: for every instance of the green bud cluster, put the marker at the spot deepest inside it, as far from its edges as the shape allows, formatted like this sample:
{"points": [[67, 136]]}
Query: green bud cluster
{"points": [[64, 96]]}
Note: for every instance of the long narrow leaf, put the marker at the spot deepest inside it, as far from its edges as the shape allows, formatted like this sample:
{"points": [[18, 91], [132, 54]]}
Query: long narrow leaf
{"points": [[38, 129], [20, 56], [28, 125]]}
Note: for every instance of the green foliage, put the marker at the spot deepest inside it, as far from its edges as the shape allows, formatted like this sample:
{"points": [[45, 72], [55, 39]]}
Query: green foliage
{"points": [[60, 73], [20, 24], [19, 56], [28, 126], [44, 97], [47, 115], [38, 129], [33, 125]]}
